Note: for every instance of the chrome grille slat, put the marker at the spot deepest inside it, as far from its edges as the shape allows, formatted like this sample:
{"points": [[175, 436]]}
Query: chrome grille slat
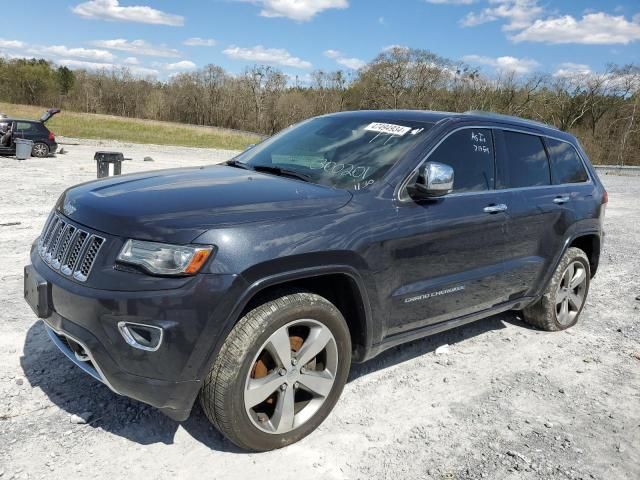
{"points": [[69, 249], [67, 233], [74, 252]]}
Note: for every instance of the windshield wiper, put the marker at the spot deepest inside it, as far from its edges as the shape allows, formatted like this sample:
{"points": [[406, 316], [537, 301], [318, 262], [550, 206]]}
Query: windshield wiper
{"points": [[238, 164], [284, 172]]}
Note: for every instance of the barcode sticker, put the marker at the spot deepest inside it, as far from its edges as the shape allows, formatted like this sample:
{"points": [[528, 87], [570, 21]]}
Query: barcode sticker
{"points": [[388, 128]]}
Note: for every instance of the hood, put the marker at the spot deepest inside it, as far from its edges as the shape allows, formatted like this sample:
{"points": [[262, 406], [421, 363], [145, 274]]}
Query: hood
{"points": [[177, 205]]}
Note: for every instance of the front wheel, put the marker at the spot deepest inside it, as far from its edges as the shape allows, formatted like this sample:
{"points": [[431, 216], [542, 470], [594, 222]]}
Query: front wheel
{"points": [[565, 296], [279, 373], [40, 150]]}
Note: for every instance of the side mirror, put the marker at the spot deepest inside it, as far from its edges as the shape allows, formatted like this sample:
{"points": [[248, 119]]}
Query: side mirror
{"points": [[433, 180]]}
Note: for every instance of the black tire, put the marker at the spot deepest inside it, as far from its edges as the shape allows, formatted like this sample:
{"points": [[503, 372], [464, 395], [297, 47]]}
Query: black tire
{"points": [[544, 313], [222, 395], [40, 150]]}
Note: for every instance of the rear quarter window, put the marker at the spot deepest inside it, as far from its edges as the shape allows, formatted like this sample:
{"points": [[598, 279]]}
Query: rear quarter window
{"points": [[566, 165]]}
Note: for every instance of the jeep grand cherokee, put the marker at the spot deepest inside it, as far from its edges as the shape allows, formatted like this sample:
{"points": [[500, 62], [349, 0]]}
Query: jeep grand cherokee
{"points": [[253, 285]]}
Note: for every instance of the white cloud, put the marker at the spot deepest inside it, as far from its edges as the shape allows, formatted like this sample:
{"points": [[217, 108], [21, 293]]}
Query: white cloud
{"points": [[504, 64], [199, 42], [111, 10], [572, 70], [593, 29], [182, 65], [55, 51], [131, 61], [11, 43], [349, 62], [517, 14], [300, 10], [62, 51], [138, 47], [260, 54], [389, 48], [82, 65], [332, 53], [451, 2]]}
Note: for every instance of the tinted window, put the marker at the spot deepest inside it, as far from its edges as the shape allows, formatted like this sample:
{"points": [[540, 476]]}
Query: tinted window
{"points": [[24, 126], [566, 166], [527, 163], [470, 153]]}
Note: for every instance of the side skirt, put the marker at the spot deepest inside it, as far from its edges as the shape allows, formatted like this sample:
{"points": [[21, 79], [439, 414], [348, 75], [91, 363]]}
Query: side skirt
{"points": [[428, 330]]}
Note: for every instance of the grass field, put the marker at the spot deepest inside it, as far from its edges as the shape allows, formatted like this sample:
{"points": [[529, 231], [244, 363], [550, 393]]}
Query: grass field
{"points": [[107, 127]]}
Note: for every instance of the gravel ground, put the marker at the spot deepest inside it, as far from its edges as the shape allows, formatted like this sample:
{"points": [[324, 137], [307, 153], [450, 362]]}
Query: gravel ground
{"points": [[500, 401]]}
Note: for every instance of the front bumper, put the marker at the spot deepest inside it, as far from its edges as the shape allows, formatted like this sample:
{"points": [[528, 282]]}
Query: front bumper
{"points": [[83, 323]]}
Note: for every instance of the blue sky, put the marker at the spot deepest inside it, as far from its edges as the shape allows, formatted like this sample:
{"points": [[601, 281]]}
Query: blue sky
{"points": [[162, 37]]}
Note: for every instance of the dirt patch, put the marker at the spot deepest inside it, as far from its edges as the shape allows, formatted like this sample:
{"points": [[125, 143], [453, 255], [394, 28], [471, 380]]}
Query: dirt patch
{"points": [[502, 401]]}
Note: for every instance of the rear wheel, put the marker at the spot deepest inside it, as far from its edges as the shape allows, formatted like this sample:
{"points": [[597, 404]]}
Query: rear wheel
{"points": [[40, 150], [279, 373], [565, 296]]}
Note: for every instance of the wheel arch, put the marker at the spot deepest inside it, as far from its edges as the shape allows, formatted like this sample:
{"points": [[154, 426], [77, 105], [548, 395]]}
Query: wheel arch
{"points": [[316, 280], [341, 285], [589, 243]]}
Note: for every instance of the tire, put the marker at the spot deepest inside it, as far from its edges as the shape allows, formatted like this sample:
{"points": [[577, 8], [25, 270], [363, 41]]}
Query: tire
{"points": [[561, 304], [249, 357], [40, 150]]}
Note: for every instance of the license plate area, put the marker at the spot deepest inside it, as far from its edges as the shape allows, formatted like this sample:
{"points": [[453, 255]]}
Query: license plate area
{"points": [[37, 292]]}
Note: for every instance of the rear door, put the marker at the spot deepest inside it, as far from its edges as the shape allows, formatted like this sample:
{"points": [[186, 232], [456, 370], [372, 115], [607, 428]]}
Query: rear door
{"points": [[539, 212], [447, 253], [26, 130]]}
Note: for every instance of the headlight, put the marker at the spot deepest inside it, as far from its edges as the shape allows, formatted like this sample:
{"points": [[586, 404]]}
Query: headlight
{"points": [[164, 259]]}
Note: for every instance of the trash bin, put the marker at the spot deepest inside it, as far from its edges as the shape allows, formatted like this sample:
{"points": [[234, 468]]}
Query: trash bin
{"points": [[104, 159], [23, 148]]}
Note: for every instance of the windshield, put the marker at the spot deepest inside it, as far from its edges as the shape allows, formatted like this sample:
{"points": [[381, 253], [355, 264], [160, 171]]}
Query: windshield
{"points": [[351, 152]]}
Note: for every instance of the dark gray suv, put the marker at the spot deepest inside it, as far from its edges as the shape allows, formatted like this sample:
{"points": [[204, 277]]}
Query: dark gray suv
{"points": [[253, 285]]}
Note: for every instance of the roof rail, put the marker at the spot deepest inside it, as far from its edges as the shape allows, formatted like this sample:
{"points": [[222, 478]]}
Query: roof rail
{"points": [[511, 118]]}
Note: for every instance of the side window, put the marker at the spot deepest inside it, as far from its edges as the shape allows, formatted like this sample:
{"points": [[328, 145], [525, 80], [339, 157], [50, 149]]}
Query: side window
{"points": [[470, 153], [526, 162], [23, 126], [566, 166]]}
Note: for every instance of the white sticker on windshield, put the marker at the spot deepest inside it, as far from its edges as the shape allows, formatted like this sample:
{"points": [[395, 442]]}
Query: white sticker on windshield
{"points": [[388, 128]]}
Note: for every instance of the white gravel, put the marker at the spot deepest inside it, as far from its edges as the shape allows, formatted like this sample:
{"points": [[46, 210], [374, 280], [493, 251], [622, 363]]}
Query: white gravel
{"points": [[501, 401]]}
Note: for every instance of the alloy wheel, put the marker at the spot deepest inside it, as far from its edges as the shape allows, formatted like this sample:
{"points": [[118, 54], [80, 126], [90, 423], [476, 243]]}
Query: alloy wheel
{"points": [[570, 295], [291, 376], [40, 150]]}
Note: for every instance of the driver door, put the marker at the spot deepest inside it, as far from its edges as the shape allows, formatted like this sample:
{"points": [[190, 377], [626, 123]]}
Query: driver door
{"points": [[448, 253]]}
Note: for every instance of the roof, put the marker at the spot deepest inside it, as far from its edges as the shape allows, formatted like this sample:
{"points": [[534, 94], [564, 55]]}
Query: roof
{"points": [[9, 119], [435, 116]]}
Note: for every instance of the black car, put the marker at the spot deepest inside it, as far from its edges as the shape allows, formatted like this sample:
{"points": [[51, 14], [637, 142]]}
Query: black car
{"points": [[254, 285], [44, 141]]}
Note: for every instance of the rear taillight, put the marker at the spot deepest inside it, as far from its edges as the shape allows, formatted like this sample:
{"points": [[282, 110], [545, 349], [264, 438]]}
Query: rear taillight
{"points": [[52, 137], [605, 198]]}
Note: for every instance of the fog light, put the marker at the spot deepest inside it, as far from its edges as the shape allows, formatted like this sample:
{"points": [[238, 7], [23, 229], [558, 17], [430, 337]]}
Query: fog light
{"points": [[143, 337]]}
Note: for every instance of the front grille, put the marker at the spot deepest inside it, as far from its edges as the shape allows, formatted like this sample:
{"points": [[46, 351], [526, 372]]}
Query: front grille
{"points": [[68, 249]]}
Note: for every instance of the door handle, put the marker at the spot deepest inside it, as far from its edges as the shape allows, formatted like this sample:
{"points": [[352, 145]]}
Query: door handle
{"points": [[501, 207], [562, 199]]}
